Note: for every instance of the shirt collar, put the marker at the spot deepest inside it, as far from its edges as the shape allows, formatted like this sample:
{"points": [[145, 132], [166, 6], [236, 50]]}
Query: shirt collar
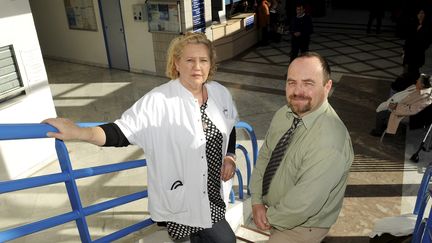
{"points": [[184, 91], [426, 91], [309, 119]]}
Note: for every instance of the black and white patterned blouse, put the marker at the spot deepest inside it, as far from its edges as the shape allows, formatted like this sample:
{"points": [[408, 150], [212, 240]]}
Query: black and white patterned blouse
{"points": [[214, 163]]}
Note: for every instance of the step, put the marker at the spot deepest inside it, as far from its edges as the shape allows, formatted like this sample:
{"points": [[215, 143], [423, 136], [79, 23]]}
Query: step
{"points": [[237, 214], [250, 234]]}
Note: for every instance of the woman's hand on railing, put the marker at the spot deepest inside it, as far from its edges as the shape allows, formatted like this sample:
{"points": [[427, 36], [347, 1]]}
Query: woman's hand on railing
{"points": [[68, 130]]}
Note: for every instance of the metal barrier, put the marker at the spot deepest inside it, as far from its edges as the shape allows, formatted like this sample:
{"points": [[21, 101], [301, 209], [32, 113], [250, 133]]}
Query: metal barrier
{"points": [[252, 137], [69, 177]]}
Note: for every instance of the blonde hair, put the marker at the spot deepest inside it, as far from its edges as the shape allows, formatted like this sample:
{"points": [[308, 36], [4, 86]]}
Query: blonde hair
{"points": [[176, 47]]}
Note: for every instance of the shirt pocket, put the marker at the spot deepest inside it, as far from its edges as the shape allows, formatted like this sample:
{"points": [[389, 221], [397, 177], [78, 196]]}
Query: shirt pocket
{"points": [[176, 200]]}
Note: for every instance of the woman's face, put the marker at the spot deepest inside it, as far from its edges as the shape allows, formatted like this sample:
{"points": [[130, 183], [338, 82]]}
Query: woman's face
{"points": [[193, 65], [421, 15]]}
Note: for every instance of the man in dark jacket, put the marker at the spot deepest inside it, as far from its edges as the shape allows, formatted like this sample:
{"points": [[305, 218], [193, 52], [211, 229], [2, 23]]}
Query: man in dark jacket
{"points": [[301, 29]]}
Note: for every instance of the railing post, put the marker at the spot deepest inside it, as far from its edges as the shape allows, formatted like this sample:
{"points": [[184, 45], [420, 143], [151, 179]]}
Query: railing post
{"points": [[252, 137], [72, 190], [248, 166]]}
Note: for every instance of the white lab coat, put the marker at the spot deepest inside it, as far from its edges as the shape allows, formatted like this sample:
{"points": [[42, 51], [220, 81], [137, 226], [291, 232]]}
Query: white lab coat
{"points": [[167, 124]]}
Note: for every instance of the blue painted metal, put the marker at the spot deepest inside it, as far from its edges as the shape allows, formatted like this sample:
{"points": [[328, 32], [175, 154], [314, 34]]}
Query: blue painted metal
{"points": [[27, 229], [69, 177], [240, 190], [114, 203], [240, 181], [248, 166], [424, 235], [105, 169], [232, 196], [252, 137], [72, 190], [25, 131], [123, 232], [37, 181], [423, 196]]}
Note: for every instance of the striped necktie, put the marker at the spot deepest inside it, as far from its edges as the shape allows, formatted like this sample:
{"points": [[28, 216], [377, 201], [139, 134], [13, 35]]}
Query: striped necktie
{"points": [[277, 155]]}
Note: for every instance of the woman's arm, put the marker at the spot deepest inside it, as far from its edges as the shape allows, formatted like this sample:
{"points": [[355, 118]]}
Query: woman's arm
{"points": [[68, 130]]}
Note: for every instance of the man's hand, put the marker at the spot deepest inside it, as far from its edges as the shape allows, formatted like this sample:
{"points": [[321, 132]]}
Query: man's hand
{"points": [[260, 217]]}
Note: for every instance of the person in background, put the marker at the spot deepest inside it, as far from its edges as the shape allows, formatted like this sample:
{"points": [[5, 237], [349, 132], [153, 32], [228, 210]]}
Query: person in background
{"points": [[417, 41], [186, 129], [275, 20], [264, 21], [408, 102], [300, 29], [376, 12], [299, 180]]}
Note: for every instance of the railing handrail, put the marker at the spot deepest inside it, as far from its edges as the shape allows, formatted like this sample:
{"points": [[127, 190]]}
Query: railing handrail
{"points": [[69, 177], [248, 128]]}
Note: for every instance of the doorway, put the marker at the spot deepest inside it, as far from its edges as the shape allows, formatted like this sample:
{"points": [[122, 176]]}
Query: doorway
{"points": [[115, 42]]}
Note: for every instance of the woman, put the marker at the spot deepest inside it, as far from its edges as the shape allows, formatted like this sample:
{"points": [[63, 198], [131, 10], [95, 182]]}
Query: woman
{"points": [[408, 102], [418, 38], [186, 128]]}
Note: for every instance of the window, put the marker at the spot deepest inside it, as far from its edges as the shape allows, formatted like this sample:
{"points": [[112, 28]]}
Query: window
{"points": [[10, 79], [233, 7]]}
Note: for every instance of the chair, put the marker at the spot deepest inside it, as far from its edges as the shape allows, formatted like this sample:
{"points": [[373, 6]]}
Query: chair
{"points": [[423, 196], [422, 199], [424, 234]]}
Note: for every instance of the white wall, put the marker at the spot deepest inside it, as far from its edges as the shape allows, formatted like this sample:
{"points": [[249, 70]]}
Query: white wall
{"points": [[138, 40], [57, 40], [88, 47], [18, 158]]}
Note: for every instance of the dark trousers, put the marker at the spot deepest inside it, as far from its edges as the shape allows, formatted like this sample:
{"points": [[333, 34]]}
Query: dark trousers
{"points": [[381, 120], [221, 232], [301, 44], [378, 18]]}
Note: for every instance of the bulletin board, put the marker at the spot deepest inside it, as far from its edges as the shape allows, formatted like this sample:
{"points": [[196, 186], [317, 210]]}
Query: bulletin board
{"points": [[80, 14], [164, 17]]}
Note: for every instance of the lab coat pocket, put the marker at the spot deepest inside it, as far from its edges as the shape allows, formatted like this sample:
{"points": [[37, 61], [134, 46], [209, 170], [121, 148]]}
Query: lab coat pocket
{"points": [[176, 200]]}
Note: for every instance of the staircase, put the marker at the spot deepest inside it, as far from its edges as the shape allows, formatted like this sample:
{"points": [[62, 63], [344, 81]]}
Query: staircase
{"points": [[239, 216]]}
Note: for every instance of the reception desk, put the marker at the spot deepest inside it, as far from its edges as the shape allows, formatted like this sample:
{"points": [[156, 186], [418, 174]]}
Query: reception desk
{"points": [[235, 36]]}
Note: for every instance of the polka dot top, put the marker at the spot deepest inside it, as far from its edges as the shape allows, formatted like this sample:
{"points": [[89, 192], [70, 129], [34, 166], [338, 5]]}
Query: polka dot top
{"points": [[214, 163]]}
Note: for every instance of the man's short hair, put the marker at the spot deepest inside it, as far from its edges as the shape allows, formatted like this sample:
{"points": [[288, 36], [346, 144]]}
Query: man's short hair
{"points": [[324, 64]]}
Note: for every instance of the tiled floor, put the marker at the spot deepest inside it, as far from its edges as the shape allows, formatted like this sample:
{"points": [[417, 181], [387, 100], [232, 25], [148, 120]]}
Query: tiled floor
{"points": [[382, 182]]}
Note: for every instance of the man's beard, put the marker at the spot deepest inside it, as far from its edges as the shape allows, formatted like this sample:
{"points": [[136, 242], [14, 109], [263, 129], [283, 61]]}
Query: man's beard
{"points": [[300, 109]]}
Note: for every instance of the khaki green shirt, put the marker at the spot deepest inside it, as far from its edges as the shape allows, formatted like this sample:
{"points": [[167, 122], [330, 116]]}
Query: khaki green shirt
{"points": [[309, 185]]}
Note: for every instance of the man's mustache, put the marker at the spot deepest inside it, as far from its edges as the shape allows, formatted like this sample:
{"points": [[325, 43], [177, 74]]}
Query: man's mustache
{"points": [[299, 97]]}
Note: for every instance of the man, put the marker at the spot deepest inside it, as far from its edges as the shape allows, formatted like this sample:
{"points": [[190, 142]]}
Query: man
{"points": [[408, 102], [264, 21], [376, 11], [305, 195], [301, 29]]}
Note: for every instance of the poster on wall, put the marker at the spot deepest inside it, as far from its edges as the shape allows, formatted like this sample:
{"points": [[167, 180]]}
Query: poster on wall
{"points": [[163, 17], [198, 16], [80, 14]]}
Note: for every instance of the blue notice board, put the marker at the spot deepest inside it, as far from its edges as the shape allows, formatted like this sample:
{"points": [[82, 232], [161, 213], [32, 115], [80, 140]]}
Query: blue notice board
{"points": [[198, 16]]}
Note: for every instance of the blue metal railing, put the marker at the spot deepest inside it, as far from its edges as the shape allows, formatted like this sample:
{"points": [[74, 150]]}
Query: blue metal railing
{"points": [[69, 177], [252, 137]]}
